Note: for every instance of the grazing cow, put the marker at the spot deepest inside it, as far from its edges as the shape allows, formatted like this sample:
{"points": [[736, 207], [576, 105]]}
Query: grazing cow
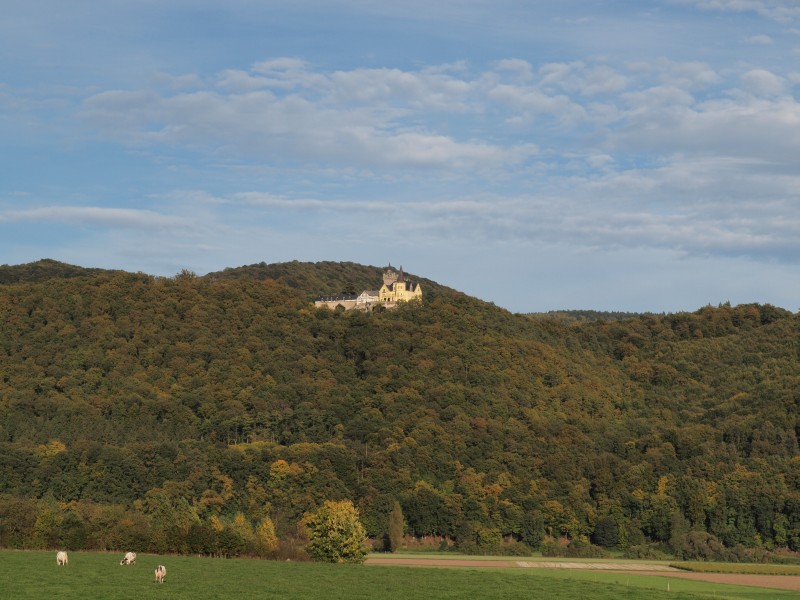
{"points": [[128, 559], [161, 572], [62, 558]]}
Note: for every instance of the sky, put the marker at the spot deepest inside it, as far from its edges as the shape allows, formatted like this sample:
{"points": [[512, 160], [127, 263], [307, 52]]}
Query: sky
{"points": [[626, 155]]}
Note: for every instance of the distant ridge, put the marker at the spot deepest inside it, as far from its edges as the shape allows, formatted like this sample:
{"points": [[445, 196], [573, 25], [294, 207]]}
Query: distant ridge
{"points": [[323, 278], [587, 316], [43, 270]]}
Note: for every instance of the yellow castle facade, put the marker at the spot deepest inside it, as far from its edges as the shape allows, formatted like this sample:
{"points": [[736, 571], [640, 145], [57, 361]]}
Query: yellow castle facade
{"points": [[396, 288]]}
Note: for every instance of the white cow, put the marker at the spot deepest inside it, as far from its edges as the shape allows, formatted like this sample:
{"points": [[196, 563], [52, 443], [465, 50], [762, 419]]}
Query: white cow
{"points": [[161, 572], [62, 558], [128, 559]]}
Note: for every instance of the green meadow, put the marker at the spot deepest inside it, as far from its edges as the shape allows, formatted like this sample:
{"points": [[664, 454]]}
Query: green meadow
{"points": [[35, 575], [738, 568]]}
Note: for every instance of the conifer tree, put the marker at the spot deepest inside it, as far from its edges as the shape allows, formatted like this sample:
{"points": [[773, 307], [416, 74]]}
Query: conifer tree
{"points": [[395, 527]]}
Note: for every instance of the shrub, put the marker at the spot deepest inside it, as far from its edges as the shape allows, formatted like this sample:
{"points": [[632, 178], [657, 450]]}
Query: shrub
{"points": [[514, 548], [645, 552], [575, 549], [476, 538], [292, 549], [700, 545]]}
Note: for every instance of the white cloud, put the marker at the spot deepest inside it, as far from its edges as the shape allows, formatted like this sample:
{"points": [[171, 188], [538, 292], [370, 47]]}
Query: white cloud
{"points": [[658, 98], [344, 117], [434, 91], [758, 40], [687, 75], [760, 82], [578, 77], [283, 65], [531, 102], [237, 80], [778, 10], [760, 129], [91, 215], [522, 68], [603, 80]]}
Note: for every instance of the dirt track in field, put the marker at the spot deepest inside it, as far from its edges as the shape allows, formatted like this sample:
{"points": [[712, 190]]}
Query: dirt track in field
{"points": [[781, 582]]}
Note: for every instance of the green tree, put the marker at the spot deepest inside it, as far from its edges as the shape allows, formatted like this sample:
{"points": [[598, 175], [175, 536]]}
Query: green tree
{"points": [[532, 528], [48, 525], [336, 534], [606, 532], [395, 535], [18, 519]]}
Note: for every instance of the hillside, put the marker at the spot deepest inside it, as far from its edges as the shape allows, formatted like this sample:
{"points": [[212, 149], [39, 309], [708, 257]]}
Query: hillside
{"points": [[323, 278], [43, 270], [197, 399]]}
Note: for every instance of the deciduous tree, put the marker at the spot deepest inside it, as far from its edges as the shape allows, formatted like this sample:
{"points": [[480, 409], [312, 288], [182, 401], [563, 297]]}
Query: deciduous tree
{"points": [[336, 533]]}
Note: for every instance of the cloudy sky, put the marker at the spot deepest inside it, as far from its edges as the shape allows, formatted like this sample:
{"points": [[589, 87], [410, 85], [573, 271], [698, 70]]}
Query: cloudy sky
{"points": [[629, 155]]}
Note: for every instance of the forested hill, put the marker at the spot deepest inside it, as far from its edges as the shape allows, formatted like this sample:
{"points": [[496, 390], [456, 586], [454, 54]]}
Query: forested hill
{"points": [[203, 405], [43, 270], [324, 278]]}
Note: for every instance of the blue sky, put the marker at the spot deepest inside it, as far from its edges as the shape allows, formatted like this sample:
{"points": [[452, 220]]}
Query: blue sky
{"points": [[613, 155]]}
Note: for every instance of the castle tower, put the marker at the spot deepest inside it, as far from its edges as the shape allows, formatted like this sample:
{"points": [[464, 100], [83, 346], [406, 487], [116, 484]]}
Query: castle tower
{"points": [[389, 276]]}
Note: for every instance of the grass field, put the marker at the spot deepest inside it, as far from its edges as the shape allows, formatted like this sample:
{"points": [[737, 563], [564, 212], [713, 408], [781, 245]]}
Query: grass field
{"points": [[647, 583], [34, 575], [743, 568]]}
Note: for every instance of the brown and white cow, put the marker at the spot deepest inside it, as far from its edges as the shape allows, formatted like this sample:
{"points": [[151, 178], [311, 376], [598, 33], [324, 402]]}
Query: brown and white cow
{"points": [[161, 572], [128, 559], [62, 558]]}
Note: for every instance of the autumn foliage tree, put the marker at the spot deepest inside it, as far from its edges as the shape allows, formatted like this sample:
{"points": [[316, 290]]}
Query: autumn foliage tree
{"points": [[336, 534]]}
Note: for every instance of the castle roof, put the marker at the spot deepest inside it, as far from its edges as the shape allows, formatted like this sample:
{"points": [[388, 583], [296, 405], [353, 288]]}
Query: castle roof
{"points": [[336, 298], [410, 285]]}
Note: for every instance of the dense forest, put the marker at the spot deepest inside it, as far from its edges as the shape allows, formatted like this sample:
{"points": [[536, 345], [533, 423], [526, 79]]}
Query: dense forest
{"points": [[210, 414]]}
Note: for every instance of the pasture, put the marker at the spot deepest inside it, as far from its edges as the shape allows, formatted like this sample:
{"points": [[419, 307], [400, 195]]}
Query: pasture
{"points": [[35, 575]]}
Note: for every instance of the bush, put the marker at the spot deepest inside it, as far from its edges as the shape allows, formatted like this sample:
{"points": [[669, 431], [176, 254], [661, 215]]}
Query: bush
{"points": [[292, 549], [514, 548], [500, 548], [575, 549], [230, 543], [781, 559], [700, 545], [645, 552], [476, 538]]}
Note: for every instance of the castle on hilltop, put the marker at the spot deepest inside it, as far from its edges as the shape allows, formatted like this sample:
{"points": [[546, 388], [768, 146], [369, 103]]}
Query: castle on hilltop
{"points": [[396, 288]]}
